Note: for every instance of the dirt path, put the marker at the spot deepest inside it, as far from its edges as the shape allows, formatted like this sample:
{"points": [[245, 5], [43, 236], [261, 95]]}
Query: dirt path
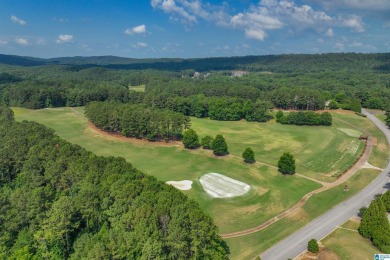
{"points": [[325, 186]]}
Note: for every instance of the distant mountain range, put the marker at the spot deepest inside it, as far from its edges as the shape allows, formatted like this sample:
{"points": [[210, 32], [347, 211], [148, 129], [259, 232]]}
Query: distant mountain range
{"points": [[277, 63]]}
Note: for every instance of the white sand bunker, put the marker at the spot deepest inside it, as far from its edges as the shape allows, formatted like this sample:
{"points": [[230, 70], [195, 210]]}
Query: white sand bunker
{"points": [[350, 132], [181, 185], [220, 186]]}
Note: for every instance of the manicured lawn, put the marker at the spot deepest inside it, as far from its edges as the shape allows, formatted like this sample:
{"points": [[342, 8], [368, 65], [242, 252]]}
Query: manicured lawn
{"points": [[320, 151], [349, 244], [249, 246], [380, 150], [267, 196], [321, 202]]}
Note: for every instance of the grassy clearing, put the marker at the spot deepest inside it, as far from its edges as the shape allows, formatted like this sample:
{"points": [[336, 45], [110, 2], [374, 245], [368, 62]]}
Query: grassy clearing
{"points": [[248, 247], [348, 244]]}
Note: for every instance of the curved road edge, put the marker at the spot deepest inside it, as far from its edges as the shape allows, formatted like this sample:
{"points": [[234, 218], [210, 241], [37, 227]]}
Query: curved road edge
{"points": [[318, 228]]}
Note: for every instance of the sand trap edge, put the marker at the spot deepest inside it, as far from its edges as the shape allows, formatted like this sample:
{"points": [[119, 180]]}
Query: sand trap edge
{"points": [[181, 185]]}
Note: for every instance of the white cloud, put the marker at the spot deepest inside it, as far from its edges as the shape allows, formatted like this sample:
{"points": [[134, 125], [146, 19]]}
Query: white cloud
{"points": [[140, 45], [329, 32], [256, 20], [320, 40], [170, 7], [18, 20], [140, 29], [22, 41], [260, 18], [255, 34], [298, 17], [372, 5], [2, 42], [354, 22], [64, 38]]}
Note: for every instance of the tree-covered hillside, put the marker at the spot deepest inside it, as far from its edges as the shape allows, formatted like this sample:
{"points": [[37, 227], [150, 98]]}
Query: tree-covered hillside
{"points": [[274, 63], [59, 201], [302, 82]]}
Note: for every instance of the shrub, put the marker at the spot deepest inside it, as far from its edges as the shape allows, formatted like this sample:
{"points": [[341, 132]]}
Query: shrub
{"points": [[279, 116], [219, 146], [207, 142], [312, 246], [248, 155], [190, 139], [286, 164]]}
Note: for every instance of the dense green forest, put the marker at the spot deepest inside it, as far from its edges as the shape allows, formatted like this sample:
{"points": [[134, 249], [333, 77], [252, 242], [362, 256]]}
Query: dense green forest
{"points": [[299, 82], [59, 201], [137, 121]]}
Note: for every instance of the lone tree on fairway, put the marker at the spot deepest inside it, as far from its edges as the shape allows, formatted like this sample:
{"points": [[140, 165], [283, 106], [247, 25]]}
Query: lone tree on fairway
{"points": [[190, 139], [207, 142], [312, 246], [248, 155], [286, 164], [219, 146]]}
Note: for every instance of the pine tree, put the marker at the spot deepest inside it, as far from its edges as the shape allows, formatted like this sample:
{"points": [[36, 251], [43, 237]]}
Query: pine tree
{"points": [[191, 139], [375, 225], [249, 155], [286, 164], [219, 146], [207, 142]]}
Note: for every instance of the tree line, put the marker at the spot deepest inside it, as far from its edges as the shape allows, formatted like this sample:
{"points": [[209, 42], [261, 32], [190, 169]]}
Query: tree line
{"points": [[375, 224], [137, 121], [221, 108], [304, 118], [59, 201], [350, 80]]}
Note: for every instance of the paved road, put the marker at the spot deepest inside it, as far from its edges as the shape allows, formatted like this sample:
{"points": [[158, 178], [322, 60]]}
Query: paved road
{"points": [[296, 243]]}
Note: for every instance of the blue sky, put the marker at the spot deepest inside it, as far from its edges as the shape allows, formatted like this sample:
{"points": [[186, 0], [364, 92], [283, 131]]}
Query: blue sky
{"points": [[192, 28]]}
